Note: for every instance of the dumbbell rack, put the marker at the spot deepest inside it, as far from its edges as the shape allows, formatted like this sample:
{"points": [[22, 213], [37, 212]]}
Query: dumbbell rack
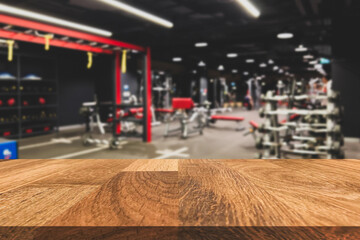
{"points": [[270, 142], [329, 145]]}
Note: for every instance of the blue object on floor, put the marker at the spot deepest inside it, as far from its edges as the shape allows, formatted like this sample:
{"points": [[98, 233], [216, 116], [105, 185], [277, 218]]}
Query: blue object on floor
{"points": [[8, 149]]}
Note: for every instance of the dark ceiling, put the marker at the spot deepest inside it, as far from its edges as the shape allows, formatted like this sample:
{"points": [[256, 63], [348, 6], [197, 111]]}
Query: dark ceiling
{"points": [[221, 23]]}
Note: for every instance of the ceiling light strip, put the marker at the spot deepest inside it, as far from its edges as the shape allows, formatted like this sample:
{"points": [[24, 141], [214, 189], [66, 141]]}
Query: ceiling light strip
{"points": [[45, 18], [140, 13], [249, 7]]}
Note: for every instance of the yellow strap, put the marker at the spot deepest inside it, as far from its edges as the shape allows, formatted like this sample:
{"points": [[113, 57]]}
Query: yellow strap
{"points": [[90, 60], [123, 62], [10, 44], [47, 41]]}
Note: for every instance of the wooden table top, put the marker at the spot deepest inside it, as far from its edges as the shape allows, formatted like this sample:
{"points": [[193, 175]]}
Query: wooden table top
{"points": [[172, 199]]}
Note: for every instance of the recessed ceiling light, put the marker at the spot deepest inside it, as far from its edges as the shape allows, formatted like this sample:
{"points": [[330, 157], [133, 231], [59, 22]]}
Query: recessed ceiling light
{"points": [[202, 64], [235, 71], [313, 62], [221, 68], [263, 65], [271, 61], [308, 57], [161, 73], [301, 48], [232, 55], [275, 68], [250, 8], [177, 59], [246, 73], [285, 35], [53, 20], [201, 44], [281, 71], [250, 60], [140, 13], [194, 72]]}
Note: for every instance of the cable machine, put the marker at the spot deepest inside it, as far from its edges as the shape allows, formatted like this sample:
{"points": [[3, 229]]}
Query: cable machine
{"points": [[17, 29]]}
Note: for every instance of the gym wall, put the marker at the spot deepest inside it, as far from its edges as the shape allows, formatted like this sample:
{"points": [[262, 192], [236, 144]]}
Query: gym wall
{"points": [[346, 67], [346, 76], [76, 85]]}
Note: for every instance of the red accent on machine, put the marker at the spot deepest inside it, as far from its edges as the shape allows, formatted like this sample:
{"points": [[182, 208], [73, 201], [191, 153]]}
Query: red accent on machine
{"points": [[183, 103], [227, 118]]}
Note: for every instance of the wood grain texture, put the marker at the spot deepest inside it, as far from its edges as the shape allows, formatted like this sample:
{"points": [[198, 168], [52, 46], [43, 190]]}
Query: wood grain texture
{"points": [[180, 199], [129, 199], [150, 165], [36, 205], [18, 173]]}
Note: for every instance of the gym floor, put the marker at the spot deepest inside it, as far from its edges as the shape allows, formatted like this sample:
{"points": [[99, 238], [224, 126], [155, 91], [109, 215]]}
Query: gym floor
{"points": [[221, 141]]}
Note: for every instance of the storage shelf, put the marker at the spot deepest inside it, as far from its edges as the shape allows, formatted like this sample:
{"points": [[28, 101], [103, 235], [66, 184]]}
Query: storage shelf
{"points": [[37, 133], [39, 120], [8, 108], [8, 94], [11, 136], [30, 64], [37, 81], [39, 107], [37, 126], [8, 123], [34, 94], [8, 80]]}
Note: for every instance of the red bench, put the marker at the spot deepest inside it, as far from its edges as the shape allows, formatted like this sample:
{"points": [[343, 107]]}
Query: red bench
{"points": [[136, 110], [215, 118], [254, 124], [227, 118]]}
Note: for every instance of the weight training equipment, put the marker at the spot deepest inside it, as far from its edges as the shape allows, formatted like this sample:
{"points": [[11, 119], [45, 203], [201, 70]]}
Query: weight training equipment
{"points": [[11, 102], [315, 132]]}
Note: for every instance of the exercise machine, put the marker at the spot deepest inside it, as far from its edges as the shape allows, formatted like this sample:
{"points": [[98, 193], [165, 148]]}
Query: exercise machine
{"points": [[187, 113]]}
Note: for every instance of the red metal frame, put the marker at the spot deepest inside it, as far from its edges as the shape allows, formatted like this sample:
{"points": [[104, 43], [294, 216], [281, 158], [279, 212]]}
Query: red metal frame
{"points": [[65, 32], [27, 24], [53, 42], [149, 97], [118, 90]]}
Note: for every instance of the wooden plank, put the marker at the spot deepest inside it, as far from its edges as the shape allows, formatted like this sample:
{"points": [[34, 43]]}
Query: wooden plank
{"points": [[213, 195], [74, 171], [36, 205], [54, 186], [89, 172], [282, 196], [21, 175], [158, 165], [321, 195], [129, 199]]}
